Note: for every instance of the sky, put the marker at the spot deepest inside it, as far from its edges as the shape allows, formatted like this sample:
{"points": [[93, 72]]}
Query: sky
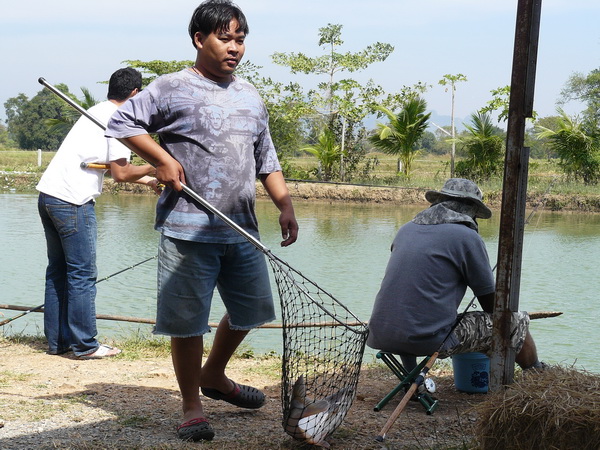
{"points": [[80, 43]]}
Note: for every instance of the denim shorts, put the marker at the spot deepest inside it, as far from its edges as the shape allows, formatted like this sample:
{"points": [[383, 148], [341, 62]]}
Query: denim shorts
{"points": [[474, 334], [188, 273]]}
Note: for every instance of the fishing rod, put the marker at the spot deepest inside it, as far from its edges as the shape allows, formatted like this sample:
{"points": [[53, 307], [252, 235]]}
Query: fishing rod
{"points": [[532, 315], [419, 379], [37, 308], [272, 326], [126, 269]]}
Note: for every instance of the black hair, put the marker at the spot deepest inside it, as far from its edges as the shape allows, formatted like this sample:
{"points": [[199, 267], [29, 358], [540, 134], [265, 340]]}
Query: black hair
{"points": [[122, 82], [214, 16]]}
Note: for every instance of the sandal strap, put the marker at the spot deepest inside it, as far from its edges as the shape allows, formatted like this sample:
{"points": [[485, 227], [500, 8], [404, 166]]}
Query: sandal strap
{"points": [[191, 422], [236, 390]]}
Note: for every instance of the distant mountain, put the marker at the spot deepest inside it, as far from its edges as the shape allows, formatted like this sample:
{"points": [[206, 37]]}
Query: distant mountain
{"points": [[444, 121]]}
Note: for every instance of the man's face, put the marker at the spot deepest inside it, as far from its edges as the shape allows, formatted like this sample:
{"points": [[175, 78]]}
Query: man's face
{"points": [[220, 52]]}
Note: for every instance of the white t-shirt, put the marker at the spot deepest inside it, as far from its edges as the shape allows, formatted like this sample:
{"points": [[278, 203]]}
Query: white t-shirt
{"points": [[64, 178]]}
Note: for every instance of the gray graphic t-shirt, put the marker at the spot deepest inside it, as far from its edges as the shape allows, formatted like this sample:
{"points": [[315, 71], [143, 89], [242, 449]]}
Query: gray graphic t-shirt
{"points": [[219, 133]]}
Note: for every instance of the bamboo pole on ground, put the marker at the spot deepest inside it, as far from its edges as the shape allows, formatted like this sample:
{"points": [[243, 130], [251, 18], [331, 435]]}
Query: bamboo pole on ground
{"points": [[532, 315], [152, 321]]}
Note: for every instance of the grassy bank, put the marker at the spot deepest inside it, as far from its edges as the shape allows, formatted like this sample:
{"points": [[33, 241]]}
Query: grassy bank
{"points": [[19, 171]]}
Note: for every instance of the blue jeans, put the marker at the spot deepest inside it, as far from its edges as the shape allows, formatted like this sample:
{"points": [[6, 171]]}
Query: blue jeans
{"points": [[70, 294]]}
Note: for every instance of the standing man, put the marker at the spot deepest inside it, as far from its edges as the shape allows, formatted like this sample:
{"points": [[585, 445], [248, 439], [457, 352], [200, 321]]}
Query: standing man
{"points": [[214, 135], [66, 207], [435, 257]]}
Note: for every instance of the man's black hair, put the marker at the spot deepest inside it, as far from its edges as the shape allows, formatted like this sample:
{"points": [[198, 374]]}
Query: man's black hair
{"points": [[214, 16], [122, 82]]}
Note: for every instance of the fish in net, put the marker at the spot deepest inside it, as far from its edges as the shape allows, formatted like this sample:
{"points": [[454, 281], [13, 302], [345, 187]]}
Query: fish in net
{"points": [[323, 346]]}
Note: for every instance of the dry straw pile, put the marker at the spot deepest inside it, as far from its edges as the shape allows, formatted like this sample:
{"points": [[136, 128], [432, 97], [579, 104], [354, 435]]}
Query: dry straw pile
{"points": [[558, 408]]}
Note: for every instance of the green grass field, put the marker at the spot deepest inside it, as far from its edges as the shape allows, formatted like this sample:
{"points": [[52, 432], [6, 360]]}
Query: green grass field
{"points": [[432, 170], [428, 170]]}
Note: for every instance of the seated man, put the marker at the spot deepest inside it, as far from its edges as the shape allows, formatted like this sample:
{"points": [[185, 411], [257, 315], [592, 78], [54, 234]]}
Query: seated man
{"points": [[435, 257]]}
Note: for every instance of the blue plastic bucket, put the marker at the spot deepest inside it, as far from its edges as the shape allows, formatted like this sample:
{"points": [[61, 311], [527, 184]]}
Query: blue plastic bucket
{"points": [[471, 372]]}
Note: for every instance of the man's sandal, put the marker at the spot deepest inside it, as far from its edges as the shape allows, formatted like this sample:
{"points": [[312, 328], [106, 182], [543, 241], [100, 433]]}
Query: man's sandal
{"points": [[197, 429], [241, 396]]}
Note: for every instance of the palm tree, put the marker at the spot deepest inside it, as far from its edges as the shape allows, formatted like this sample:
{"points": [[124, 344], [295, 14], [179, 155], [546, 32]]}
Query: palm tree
{"points": [[70, 115], [328, 153], [401, 135], [577, 145], [484, 149]]}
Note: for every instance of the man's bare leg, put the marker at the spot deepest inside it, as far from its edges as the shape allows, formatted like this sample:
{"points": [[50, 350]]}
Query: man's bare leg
{"points": [[186, 354], [528, 357], [224, 346]]}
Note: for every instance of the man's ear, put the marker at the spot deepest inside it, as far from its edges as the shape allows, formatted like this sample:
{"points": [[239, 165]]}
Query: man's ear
{"points": [[133, 92], [198, 39]]}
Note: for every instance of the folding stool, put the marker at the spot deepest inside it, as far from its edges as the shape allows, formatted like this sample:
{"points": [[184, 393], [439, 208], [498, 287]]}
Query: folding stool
{"points": [[406, 380]]}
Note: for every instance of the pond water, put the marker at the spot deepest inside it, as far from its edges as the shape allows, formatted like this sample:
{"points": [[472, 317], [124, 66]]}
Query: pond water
{"points": [[342, 247]]}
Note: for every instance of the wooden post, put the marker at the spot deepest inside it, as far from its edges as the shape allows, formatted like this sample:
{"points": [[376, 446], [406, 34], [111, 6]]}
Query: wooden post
{"points": [[512, 220]]}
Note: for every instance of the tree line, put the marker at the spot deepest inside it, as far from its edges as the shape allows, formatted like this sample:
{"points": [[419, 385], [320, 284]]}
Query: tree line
{"points": [[328, 120]]}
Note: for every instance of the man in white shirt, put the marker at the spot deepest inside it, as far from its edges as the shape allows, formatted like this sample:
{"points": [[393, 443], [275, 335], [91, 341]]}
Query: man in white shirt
{"points": [[66, 207]]}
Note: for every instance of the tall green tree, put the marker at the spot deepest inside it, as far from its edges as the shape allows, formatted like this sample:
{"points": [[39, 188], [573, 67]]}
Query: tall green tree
{"points": [[500, 103], [452, 80], [153, 69], [577, 144], [403, 132], [483, 148], [341, 104], [26, 119], [5, 141], [332, 95], [586, 89]]}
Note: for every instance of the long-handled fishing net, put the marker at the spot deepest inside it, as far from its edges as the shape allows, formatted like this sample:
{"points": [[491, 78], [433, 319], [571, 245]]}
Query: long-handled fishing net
{"points": [[323, 341]]}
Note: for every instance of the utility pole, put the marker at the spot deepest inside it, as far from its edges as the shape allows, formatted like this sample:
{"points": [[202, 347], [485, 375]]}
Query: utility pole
{"points": [[512, 220]]}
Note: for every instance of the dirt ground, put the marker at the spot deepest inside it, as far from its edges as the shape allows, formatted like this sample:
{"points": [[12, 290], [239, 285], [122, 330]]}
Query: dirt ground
{"points": [[49, 402]]}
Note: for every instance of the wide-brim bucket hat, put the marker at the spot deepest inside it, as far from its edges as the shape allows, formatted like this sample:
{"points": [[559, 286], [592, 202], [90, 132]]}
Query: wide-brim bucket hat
{"points": [[461, 188]]}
